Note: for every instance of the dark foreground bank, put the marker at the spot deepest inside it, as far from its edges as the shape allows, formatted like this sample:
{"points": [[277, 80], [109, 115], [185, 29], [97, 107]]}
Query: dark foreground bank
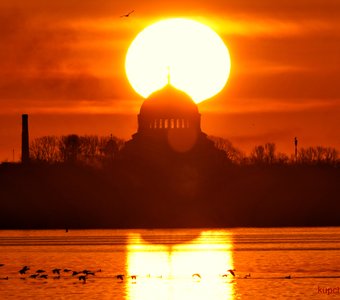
{"points": [[129, 195]]}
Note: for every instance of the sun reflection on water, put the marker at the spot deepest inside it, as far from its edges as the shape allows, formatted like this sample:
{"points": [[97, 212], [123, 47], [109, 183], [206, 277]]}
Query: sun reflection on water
{"points": [[165, 271]]}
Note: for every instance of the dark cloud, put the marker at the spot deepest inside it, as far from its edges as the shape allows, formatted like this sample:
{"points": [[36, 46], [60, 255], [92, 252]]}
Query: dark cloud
{"points": [[284, 9], [306, 86], [42, 60]]}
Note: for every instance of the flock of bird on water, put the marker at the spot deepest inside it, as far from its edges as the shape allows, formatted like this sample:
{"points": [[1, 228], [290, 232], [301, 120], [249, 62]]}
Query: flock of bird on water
{"points": [[85, 274]]}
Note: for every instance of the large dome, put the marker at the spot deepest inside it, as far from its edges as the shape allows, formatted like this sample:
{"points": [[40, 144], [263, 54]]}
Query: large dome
{"points": [[168, 102]]}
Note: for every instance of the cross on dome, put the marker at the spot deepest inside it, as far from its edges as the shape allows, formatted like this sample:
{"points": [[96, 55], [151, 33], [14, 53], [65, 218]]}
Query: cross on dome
{"points": [[169, 76]]}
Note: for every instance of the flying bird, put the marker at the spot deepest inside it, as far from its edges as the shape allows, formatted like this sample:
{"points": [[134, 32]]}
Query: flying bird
{"points": [[196, 277], [40, 271], [56, 271], [120, 276], [127, 15], [24, 270], [232, 272], [83, 278], [87, 272], [43, 276]]}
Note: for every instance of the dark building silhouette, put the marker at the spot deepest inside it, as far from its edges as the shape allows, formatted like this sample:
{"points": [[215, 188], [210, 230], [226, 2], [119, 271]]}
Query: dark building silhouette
{"points": [[295, 147], [169, 126], [25, 154]]}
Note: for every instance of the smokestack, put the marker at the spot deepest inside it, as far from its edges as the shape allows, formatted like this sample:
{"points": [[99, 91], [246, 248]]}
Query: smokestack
{"points": [[25, 152]]}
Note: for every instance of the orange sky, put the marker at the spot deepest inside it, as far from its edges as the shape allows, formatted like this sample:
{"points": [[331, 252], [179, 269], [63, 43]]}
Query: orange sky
{"points": [[62, 62]]}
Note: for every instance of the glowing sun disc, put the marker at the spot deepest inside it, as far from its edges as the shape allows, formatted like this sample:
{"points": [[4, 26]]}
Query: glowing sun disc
{"points": [[195, 56]]}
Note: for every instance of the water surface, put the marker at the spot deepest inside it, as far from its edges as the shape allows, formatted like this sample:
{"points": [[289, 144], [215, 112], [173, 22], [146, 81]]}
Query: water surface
{"points": [[290, 263]]}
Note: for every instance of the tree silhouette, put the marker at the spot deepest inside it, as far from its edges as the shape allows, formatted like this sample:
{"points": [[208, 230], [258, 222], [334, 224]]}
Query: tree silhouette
{"points": [[70, 148], [45, 149], [109, 148], [88, 149], [257, 155], [233, 154], [318, 155], [98, 151], [265, 154]]}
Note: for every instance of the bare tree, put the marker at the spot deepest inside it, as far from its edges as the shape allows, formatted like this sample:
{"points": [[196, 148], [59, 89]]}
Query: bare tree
{"points": [[318, 155], [270, 155], [258, 155], [265, 154], [232, 153], [89, 148], [331, 155], [45, 149], [282, 158], [70, 148]]}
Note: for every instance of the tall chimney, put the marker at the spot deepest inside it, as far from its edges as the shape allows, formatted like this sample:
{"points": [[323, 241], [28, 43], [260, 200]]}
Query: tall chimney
{"points": [[25, 152]]}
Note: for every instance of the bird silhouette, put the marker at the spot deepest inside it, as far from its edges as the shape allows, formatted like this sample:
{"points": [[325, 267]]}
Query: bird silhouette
{"points": [[288, 277], [74, 273], [43, 276], [1, 265], [127, 15], [34, 276], [247, 276], [40, 271], [232, 272], [67, 270], [120, 276], [87, 272], [196, 277], [56, 271], [24, 270], [83, 278]]}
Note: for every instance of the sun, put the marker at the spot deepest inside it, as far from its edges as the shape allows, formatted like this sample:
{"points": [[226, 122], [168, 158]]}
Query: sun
{"points": [[188, 53]]}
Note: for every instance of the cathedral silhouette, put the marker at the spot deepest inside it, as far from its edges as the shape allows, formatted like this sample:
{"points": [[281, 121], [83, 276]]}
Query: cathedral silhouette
{"points": [[169, 127]]}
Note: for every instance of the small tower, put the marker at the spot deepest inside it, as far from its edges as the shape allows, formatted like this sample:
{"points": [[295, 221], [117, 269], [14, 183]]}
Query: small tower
{"points": [[25, 154], [296, 147]]}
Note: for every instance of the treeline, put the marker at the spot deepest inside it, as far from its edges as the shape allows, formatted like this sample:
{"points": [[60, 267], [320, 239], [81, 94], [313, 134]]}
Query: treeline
{"points": [[268, 154], [88, 149], [98, 151]]}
